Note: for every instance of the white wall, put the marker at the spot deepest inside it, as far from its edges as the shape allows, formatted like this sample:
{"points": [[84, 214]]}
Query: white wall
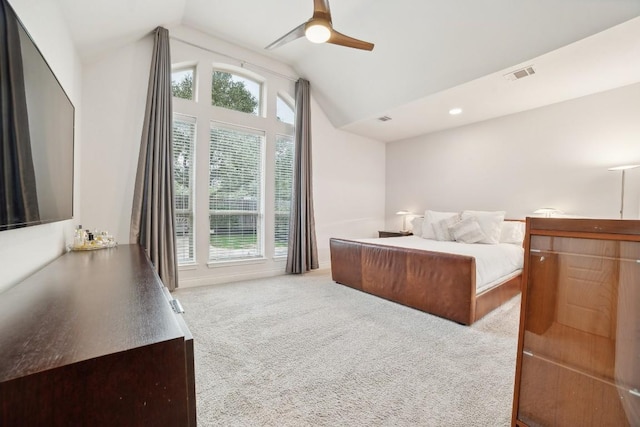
{"points": [[24, 251], [348, 184], [114, 97], [555, 156], [348, 170]]}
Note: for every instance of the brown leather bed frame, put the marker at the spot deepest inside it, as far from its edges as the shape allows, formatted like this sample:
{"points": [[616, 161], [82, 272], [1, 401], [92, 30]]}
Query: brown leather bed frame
{"points": [[437, 283]]}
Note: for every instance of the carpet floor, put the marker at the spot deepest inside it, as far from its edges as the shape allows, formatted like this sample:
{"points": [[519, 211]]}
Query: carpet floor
{"points": [[305, 351]]}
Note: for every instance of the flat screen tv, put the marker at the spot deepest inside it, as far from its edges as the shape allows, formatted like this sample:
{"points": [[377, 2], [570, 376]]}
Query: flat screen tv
{"points": [[37, 132]]}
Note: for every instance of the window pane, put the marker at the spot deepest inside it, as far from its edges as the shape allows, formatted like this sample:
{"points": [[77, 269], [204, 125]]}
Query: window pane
{"points": [[233, 236], [284, 112], [182, 83], [283, 183], [235, 192], [235, 92], [183, 142]]}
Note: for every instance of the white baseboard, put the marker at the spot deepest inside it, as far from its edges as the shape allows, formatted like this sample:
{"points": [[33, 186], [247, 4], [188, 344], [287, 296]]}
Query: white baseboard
{"points": [[325, 266]]}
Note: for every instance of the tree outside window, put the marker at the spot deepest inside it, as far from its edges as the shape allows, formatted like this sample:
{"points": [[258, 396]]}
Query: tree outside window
{"points": [[235, 92]]}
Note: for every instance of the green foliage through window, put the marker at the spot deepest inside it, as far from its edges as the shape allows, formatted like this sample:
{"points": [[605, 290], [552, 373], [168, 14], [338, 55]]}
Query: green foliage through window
{"points": [[235, 92], [182, 84]]}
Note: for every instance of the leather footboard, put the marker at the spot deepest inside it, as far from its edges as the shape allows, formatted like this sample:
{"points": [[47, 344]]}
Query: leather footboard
{"points": [[437, 283]]}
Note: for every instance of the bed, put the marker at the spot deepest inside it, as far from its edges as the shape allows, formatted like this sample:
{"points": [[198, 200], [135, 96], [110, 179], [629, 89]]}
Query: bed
{"points": [[455, 280]]}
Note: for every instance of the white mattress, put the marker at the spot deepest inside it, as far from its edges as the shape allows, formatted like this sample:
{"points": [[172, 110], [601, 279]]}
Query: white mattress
{"points": [[494, 263]]}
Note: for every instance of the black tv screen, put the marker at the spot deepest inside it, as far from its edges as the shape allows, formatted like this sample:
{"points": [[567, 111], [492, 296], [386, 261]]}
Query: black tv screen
{"points": [[36, 151]]}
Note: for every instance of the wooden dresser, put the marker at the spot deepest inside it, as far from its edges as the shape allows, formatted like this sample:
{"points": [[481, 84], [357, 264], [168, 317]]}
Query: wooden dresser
{"points": [[578, 361], [92, 340]]}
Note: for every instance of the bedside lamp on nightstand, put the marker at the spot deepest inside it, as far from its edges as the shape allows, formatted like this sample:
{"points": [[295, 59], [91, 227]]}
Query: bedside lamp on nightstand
{"points": [[404, 218], [401, 233]]}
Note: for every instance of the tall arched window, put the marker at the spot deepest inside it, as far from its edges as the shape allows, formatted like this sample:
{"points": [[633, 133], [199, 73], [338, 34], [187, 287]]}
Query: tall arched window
{"points": [[239, 124]]}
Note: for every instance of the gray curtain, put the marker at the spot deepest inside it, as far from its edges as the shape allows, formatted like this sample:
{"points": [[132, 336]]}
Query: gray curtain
{"points": [[302, 253], [18, 196], [153, 214]]}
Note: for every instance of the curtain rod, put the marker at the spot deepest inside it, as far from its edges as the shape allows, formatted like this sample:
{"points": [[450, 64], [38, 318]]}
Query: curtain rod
{"points": [[241, 61]]}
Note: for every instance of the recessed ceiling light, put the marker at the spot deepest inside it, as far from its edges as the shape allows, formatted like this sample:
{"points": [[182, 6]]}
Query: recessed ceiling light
{"points": [[455, 111]]}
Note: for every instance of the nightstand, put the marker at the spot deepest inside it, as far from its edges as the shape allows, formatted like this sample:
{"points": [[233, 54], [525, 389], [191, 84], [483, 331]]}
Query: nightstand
{"points": [[394, 233]]}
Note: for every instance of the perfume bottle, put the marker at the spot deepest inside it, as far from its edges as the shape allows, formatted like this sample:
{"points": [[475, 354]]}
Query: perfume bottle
{"points": [[79, 237]]}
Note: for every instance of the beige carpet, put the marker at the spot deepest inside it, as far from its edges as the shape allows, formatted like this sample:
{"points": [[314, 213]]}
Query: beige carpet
{"points": [[305, 351]]}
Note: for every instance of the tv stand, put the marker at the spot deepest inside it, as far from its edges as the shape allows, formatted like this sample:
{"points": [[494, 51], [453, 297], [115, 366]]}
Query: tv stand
{"points": [[91, 339]]}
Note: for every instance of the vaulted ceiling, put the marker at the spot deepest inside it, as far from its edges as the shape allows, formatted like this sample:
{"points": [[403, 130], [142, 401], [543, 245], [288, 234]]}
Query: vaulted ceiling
{"points": [[429, 55]]}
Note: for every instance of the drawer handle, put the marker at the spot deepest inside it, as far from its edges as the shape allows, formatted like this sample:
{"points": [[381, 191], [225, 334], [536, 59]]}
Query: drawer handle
{"points": [[176, 306], [635, 392]]}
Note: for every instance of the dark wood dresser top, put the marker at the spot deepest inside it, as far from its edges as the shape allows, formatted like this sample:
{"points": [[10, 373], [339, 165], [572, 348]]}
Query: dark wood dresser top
{"points": [[81, 306]]}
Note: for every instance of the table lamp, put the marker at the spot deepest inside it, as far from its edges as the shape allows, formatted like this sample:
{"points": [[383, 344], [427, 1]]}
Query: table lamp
{"points": [[404, 218]]}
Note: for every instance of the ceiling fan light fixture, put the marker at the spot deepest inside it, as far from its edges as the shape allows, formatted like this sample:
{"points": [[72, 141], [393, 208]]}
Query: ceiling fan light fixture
{"points": [[317, 31]]}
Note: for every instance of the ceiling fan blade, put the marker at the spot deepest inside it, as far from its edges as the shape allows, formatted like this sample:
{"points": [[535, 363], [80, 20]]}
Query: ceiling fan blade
{"points": [[292, 35], [342, 40], [321, 9]]}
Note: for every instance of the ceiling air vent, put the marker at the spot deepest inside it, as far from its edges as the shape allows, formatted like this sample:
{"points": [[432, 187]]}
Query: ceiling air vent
{"points": [[520, 74], [384, 118]]}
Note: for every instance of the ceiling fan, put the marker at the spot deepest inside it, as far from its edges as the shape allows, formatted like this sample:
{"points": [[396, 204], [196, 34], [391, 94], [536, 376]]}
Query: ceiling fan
{"points": [[319, 29]]}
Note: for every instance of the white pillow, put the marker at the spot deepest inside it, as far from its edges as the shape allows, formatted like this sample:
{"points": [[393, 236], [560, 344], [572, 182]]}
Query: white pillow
{"points": [[490, 224], [512, 232], [430, 218], [467, 231], [441, 229], [416, 225]]}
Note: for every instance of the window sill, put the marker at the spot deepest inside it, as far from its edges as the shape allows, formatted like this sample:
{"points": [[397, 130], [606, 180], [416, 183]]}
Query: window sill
{"points": [[230, 263], [188, 266]]}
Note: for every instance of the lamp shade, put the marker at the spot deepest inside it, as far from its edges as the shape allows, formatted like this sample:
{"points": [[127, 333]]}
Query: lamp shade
{"points": [[623, 167], [547, 212], [404, 214]]}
